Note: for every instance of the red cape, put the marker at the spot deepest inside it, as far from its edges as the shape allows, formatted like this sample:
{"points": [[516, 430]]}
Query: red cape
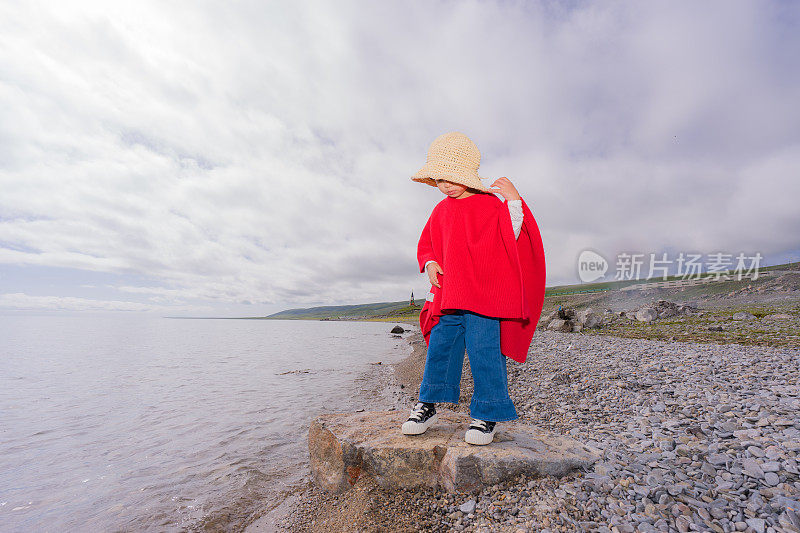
{"points": [[485, 269]]}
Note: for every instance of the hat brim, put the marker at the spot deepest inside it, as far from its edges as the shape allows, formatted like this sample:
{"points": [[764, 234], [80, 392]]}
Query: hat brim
{"points": [[473, 182]]}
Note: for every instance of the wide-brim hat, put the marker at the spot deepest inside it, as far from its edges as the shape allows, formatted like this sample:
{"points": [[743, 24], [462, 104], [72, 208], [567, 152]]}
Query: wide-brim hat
{"points": [[452, 157]]}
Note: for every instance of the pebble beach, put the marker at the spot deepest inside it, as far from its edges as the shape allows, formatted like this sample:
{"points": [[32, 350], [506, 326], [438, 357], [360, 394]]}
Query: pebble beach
{"points": [[695, 437]]}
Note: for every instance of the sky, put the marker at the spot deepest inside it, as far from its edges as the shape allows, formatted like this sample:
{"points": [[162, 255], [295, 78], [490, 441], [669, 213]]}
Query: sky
{"points": [[241, 158]]}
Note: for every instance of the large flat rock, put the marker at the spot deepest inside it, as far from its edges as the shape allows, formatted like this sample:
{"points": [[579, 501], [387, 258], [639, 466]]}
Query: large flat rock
{"points": [[345, 446]]}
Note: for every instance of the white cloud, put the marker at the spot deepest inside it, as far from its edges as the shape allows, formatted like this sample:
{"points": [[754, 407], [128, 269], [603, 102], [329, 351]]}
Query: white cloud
{"points": [[262, 152]]}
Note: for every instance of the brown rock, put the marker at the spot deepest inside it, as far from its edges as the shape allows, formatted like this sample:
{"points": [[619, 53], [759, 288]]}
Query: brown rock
{"points": [[345, 446]]}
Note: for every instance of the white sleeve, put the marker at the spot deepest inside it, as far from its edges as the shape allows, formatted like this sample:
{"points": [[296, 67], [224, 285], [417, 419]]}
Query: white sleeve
{"points": [[515, 210], [426, 263]]}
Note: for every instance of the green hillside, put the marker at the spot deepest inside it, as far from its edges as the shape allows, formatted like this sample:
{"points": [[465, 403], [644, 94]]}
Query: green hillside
{"points": [[380, 309]]}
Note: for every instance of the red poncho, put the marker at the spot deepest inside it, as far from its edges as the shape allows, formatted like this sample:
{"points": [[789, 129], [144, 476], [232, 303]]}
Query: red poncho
{"points": [[485, 269]]}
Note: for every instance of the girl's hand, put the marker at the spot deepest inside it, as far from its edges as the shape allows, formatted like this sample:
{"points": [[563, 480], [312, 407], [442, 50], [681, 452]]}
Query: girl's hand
{"points": [[432, 269], [505, 188]]}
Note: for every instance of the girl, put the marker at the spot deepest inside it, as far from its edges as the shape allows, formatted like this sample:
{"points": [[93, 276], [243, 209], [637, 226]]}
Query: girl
{"points": [[485, 261]]}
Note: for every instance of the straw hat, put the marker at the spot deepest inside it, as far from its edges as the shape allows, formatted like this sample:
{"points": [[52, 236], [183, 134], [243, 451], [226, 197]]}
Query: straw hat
{"points": [[452, 157]]}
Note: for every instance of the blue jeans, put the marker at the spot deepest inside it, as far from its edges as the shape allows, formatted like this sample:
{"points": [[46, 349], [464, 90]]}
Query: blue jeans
{"points": [[480, 335]]}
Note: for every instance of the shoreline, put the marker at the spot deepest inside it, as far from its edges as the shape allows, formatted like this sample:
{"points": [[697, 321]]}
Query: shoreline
{"points": [[696, 436], [381, 379]]}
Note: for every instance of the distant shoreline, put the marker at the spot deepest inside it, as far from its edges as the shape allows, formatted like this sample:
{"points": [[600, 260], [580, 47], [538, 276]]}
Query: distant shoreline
{"points": [[371, 319]]}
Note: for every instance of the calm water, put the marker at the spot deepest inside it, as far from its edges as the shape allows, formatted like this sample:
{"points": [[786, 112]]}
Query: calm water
{"points": [[129, 424]]}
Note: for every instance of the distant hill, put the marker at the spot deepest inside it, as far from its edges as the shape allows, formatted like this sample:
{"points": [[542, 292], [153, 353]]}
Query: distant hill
{"points": [[380, 309]]}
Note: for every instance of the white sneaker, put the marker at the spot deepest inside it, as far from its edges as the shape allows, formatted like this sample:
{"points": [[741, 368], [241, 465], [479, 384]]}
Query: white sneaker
{"points": [[422, 417], [480, 432]]}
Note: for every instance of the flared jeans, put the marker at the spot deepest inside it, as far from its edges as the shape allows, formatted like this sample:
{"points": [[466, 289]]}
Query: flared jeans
{"points": [[441, 381]]}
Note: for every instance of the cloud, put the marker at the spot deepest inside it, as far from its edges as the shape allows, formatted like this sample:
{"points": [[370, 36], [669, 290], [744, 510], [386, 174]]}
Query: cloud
{"points": [[262, 152]]}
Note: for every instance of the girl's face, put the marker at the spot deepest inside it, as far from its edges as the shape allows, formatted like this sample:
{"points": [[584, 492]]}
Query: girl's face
{"points": [[453, 190]]}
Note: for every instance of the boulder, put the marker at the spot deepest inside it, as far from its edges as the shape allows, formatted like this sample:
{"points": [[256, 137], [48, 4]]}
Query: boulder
{"points": [[558, 324], [345, 446], [397, 329], [743, 316], [646, 314], [666, 309], [588, 318], [567, 319], [545, 320]]}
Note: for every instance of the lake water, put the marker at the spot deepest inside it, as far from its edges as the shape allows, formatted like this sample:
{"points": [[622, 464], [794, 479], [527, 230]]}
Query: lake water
{"points": [[130, 423]]}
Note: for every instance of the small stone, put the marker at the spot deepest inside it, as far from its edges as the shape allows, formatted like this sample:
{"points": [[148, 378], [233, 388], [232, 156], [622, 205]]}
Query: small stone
{"points": [[755, 451], [752, 468], [666, 445], [674, 489], [724, 485], [773, 452], [467, 507], [771, 479], [790, 521], [757, 524], [718, 459], [708, 469]]}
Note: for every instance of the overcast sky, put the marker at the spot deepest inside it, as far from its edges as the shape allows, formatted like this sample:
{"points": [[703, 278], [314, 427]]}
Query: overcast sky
{"points": [[240, 158]]}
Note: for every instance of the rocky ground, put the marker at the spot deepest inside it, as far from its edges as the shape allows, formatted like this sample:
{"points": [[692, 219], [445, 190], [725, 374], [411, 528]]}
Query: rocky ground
{"points": [[697, 436], [765, 312]]}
